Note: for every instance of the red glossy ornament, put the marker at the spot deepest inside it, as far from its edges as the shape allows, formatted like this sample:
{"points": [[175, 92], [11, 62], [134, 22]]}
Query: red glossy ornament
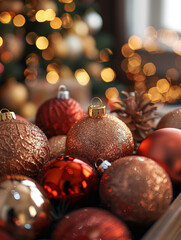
{"points": [[69, 179], [91, 224], [57, 115], [163, 146]]}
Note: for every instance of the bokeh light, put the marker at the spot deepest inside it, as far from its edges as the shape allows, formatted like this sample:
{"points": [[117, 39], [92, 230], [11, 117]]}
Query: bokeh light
{"points": [[135, 42], [56, 23], [67, 21], [70, 7], [19, 20], [112, 93], [81, 28], [52, 77], [163, 85], [5, 17], [172, 74], [82, 77], [1, 41], [42, 43], [40, 16], [149, 69], [108, 74], [31, 38], [50, 14], [126, 50], [154, 94]]}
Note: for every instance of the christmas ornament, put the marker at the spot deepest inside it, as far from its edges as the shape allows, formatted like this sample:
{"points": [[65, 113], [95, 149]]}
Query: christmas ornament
{"points": [[24, 209], [57, 115], [91, 223], [24, 148], [163, 146], [137, 113], [57, 146], [18, 117], [94, 21], [171, 120], [99, 136], [5, 236], [136, 189], [68, 179]]}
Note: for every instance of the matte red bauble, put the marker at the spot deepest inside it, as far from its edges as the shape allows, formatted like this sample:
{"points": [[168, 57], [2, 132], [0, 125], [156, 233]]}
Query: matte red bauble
{"points": [[69, 179], [24, 208], [24, 148], [91, 224], [163, 146], [57, 115], [99, 136], [171, 120], [136, 189]]}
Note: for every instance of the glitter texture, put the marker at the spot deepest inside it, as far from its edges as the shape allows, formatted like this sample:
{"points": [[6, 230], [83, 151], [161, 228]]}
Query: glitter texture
{"points": [[24, 148], [171, 120], [99, 138], [136, 189], [57, 146]]}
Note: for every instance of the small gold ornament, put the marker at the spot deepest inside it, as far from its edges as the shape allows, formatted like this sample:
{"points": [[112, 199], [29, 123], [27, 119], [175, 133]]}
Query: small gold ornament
{"points": [[5, 114], [98, 110]]}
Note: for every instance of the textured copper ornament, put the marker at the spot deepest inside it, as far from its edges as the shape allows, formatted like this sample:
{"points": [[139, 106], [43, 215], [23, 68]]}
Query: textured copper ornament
{"points": [[69, 179], [163, 146], [24, 209], [56, 116], [24, 148], [91, 223], [136, 189], [171, 120], [57, 146]]}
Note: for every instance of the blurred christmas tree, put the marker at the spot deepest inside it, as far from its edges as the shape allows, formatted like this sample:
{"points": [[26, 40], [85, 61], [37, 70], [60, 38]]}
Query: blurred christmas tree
{"points": [[44, 42]]}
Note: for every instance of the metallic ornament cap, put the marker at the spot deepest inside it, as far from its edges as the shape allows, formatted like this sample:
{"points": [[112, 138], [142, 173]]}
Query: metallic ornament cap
{"points": [[5, 115], [103, 166], [63, 93], [98, 110]]}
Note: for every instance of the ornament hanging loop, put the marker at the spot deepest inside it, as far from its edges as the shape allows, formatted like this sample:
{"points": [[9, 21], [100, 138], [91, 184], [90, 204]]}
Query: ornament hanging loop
{"points": [[105, 164], [98, 110], [5, 114], [63, 93]]}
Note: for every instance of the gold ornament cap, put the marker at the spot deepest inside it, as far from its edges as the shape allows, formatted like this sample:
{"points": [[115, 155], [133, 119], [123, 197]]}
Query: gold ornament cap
{"points": [[98, 110], [5, 115], [63, 93]]}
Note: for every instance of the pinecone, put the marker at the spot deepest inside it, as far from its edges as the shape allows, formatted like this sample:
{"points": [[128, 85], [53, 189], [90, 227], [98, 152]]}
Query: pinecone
{"points": [[137, 113]]}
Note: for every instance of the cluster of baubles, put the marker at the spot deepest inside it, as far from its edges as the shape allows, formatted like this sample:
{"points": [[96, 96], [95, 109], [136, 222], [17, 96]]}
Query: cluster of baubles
{"points": [[86, 158]]}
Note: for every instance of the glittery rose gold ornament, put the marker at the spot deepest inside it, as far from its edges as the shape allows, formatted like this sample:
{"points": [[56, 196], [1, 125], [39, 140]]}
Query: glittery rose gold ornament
{"points": [[24, 209], [68, 179], [57, 115], [24, 147], [136, 189], [91, 223], [163, 146], [99, 135], [57, 146], [171, 120]]}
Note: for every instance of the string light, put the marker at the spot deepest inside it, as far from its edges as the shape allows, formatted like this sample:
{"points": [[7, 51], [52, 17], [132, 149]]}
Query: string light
{"points": [[42, 43], [40, 16], [82, 77], [19, 20], [1, 41], [108, 75], [52, 77], [56, 23], [5, 17]]}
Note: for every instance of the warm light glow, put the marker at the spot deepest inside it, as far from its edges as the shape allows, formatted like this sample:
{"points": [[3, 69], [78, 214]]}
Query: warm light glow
{"points": [[105, 54], [135, 42], [112, 93], [108, 74], [135, 60], [163, 85], [42, 43], [5, 17], [31, 38], [56, 23], [151, 32], [70, 7], [139, 78], [173, 93], [32, 211], [150, 45], [19, 20], [126, 50], [52, 77], [154, 94], [66, 1], [149, 69], [50, 14], [40, 16], [168, 37], [172, 74], [1, 41], [177, 47], [67, 21], [81, 28], [82, 77], [48, 53]]}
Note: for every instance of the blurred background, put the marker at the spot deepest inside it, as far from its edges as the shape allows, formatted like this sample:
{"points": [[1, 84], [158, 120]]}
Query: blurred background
{"points": [[94, 47]]}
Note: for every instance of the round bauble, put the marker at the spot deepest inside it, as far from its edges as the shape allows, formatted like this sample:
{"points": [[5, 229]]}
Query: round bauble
{"points": [[91, 223], [24, 209], [57, 115], [57, 146], [68, 179], [136, 189], [171, 120], [99, 136], [163, 146], [24, 148]]}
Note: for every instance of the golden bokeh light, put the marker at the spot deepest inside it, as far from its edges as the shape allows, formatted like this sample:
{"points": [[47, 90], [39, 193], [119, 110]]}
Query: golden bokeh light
{"points": [[154, 94], [126, 50], [140, 86], [150, 45], [52, 77], [135, 60], [19, 20], [168, 37], [173, 94], [40, 16], [177, 47], [50, 14], [28, 110], [139, 78], [66, 1], [1, 41], [105, 54], [150, 32], [108, 74], [67, 21], [112, 93], [149, 69], [82, 77], [56, 23], [42, 43], [70, 7], [31, 38], [135, 42], [5, 17], [163, 85], [48, 54], [172, 74], [81, 28]]}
